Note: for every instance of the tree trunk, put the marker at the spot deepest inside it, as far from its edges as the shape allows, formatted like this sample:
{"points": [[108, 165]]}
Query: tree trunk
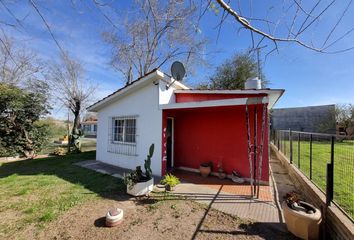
{"points": [[76, 113]]}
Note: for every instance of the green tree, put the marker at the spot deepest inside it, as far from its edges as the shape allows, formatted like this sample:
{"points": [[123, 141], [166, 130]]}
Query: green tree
{"points": [[20, 110], [233, 73]]}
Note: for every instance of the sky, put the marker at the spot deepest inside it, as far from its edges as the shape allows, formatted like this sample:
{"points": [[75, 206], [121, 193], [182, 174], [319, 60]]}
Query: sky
{"points": [[309, 78]]}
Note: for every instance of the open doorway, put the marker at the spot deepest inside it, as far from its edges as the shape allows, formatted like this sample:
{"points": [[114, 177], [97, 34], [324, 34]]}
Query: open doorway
{"points": [[170, 141]]}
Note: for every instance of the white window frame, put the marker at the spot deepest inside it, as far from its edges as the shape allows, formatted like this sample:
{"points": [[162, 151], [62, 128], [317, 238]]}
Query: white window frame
{"points": [[114, 132]]}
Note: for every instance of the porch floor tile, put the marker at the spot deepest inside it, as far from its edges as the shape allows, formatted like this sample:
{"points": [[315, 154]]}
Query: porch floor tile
{"points": [[226, 185], [231, 198]]}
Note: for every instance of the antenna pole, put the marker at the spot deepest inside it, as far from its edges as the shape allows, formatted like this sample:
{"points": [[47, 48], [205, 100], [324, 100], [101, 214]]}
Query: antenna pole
{"points": [[259, 64]]}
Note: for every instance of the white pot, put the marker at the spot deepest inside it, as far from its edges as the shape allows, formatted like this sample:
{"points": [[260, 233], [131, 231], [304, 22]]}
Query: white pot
{"points": [[141, 188], [112, 221]]}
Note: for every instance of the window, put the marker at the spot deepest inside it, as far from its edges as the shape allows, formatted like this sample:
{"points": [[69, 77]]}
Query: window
{"points": [[86, 128], [124, 130], [95, 128]]}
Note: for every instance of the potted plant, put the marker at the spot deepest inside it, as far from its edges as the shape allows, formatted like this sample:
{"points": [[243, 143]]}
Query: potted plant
{"points": [[221, 173], [170, 181], [205, 169], [137, 183], [301, 218]]}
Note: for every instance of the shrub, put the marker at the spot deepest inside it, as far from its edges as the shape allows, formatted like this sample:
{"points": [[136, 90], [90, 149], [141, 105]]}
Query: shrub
{"points": [[170, 180]]}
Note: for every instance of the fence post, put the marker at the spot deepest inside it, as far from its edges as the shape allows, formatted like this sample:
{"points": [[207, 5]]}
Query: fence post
{"points": [[298, 150], [291, 146], [278, 133], [330, 176], [281, 141], [284, 141], [311, 156]]}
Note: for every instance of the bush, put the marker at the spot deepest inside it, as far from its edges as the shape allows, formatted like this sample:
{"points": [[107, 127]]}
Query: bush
{"points": [[20, 110]]}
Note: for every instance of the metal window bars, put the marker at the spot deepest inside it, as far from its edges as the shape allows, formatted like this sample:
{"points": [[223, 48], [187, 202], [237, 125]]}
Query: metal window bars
{"points": [[122, 135]]}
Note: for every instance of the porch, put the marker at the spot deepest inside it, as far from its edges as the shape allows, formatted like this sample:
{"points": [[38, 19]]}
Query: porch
{"points": [[216, 135]]}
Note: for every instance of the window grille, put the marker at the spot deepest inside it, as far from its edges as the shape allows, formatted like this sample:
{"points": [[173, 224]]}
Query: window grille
{"points": [[122, 135]]}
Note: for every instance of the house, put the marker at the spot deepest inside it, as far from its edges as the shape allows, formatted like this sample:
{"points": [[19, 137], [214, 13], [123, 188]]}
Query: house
{"points": [[89, 127], [188, 127]]}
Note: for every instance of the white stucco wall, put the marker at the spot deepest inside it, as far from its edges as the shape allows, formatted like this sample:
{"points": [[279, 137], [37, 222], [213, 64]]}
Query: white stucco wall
{"points": [[144, 103], [166, 96]]}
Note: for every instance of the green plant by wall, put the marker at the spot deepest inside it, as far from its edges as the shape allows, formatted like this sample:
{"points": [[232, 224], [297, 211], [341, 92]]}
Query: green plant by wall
{"points": [[147, 164], [170, 180]]}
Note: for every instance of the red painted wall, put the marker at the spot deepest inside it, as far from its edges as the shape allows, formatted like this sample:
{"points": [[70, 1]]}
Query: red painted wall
{"points": [[199, 97], [164, 144], [216, 134]]}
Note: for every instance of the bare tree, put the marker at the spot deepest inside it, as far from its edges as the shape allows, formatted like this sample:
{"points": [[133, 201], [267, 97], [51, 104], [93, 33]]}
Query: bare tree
{"points": [[70, 87], [157, 32], [292, 21], [18, 64]]}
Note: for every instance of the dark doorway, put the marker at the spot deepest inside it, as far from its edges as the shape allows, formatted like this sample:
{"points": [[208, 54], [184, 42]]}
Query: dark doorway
{"points": [[169, 144]]}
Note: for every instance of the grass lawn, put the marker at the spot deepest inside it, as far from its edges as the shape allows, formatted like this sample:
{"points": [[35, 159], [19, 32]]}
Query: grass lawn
{"points": [[321, 155], [34, 192]]}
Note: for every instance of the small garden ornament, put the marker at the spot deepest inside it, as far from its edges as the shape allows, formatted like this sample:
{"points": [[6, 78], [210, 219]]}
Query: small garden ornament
{"points": [[221, 173], [114, 217]]}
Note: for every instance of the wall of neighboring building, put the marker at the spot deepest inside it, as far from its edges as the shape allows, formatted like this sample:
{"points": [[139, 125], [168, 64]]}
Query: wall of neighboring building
{"points": [[144, 104], [90, 129], [306, 119], [216, 134]]}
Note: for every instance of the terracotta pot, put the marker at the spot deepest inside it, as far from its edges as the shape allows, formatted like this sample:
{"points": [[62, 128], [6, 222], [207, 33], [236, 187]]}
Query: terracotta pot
{"points": [[205, 171], [301, 224]]}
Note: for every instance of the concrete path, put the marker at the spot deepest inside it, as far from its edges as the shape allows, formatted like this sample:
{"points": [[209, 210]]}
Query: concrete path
{"points": [[104, 168]]}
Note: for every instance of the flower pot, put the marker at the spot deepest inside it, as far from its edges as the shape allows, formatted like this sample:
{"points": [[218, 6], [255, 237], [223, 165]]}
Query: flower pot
{"points": [[205, 171], [141, 188], [114, 218], [301, 224], [169, 188]]}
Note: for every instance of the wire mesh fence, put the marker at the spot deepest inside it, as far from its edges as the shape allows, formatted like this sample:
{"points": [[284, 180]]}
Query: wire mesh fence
{"points": [[315, 155]]}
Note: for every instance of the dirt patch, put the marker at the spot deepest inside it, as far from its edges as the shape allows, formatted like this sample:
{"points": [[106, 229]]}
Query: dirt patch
{"points": [[154, 218]]}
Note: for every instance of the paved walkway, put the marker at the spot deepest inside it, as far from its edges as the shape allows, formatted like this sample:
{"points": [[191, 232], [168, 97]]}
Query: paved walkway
{"points": [[224, 195], [104, 168], [231, 198]]}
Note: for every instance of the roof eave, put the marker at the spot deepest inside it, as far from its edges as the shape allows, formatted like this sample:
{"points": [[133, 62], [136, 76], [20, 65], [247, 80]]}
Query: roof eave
{"points": [[153, 76]]}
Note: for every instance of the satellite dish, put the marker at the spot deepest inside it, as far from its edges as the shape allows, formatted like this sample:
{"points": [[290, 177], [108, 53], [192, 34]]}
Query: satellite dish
{"points": [[178, 71]]}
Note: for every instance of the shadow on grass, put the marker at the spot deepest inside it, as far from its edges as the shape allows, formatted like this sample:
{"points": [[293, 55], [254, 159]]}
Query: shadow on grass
{"points": [[63, 167]]}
